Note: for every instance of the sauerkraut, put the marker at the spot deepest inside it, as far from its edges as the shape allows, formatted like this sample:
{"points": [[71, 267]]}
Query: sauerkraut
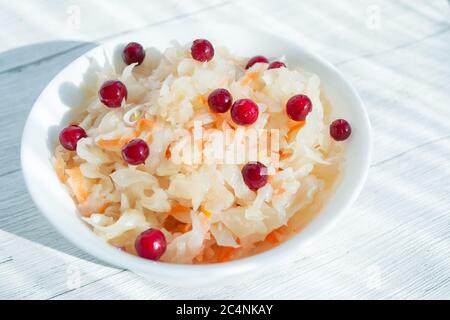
{"points": [[195, 196]]}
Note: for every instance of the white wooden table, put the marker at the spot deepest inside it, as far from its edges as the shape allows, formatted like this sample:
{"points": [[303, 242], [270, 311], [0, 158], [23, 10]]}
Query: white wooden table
{"points": [[395, 240]]}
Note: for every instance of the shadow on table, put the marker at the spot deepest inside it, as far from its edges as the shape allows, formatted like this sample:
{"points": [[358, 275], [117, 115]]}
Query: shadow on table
{"points": [[18, 215]]}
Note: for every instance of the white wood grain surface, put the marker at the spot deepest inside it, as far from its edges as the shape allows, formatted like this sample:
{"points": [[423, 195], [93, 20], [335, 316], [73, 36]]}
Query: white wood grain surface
{"points": [[395, 240]]}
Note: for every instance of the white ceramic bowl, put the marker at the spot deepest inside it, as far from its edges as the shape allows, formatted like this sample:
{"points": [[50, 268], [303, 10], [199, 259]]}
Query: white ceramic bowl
{"points": [[49, 115]]}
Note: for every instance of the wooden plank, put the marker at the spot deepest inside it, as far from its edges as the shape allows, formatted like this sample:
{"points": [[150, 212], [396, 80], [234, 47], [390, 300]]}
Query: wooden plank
{"points": [[393, 243]]}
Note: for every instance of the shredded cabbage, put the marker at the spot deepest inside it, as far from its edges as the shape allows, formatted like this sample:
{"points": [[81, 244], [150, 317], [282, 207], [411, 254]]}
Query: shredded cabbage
{"points": [[205, 210]]}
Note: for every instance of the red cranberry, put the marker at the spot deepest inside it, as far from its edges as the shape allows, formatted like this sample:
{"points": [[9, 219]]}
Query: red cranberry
{"points": [[151, 244], [340, 129], [255, 175], [220, 100], [133, 53], [244, 112], [298, 107], [256, 59], [135, 152], [112, 93], [202, 50], [276, 65], [70, 135]]}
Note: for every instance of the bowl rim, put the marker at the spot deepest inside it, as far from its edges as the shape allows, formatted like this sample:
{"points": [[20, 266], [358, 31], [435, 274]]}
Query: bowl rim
{"points": [[315, 227]]}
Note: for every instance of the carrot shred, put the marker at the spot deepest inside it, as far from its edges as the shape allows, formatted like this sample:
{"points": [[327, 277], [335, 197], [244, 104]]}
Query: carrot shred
{"points": [[199, 258], [143, 124], [284, 154], [116, 143], [172, 225], [125, 139], [109, 143], [77, 182], [178, 209], [224, 254], [184, 227], [293, 131], [103, 207], [168, 154], [218, 120], [201, 101], [59, 168], [278, 190], [272, 237], [90, 206], [249, 77], [283, 229], [206, 212]]}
